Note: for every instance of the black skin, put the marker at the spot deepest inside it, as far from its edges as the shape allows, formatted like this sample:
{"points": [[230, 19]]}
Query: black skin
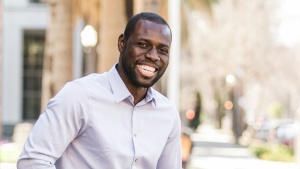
{"points": [[149, 45]]}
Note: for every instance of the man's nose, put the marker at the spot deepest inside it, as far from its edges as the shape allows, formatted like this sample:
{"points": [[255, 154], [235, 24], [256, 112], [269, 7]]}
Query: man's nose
{"points": [[152, 54]]}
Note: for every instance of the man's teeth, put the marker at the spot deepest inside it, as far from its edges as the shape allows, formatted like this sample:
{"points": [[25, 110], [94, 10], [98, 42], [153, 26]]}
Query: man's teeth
{"points": [[147, 68]]}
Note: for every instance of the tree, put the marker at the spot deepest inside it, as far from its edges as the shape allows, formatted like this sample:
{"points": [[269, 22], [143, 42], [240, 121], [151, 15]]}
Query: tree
{"points": [[238, 37], [1, 30], [197, 108]]}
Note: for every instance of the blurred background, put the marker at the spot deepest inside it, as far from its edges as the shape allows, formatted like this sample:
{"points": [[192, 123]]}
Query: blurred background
{"points": [[233, 64]]}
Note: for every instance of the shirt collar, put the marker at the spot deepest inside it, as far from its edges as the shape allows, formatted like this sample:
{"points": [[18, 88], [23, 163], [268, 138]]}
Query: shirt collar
{"points": [[120, 90], [151, 96]]}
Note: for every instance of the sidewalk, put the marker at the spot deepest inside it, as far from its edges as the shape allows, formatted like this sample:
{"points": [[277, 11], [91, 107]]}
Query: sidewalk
{"points": [[215, 149], [8, 166]]}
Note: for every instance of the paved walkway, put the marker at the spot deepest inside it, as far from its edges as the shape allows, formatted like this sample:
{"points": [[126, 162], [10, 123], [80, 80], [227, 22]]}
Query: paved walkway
{"points": [[214, 149], [8, 166]]}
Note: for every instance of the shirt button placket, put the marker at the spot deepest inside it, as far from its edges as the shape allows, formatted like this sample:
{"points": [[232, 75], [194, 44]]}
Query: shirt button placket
{"points": [[134, 134], [134, 165]]}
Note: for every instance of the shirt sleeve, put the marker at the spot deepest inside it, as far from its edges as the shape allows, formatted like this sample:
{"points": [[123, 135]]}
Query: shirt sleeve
{"points": [[171, 155], [64, 118]]}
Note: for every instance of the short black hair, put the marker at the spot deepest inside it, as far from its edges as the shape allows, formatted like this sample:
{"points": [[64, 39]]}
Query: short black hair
{"points": [[152, 17]]}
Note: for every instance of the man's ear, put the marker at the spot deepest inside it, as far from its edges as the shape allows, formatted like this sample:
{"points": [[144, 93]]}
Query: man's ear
{"points": [[121, 43]]}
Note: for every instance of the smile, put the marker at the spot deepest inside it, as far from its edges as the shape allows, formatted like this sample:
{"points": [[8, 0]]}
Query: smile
{"points": [[145, 70]]}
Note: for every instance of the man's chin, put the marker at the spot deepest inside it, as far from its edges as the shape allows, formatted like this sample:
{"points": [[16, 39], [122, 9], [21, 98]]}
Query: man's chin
{"points": [[145, 84]]}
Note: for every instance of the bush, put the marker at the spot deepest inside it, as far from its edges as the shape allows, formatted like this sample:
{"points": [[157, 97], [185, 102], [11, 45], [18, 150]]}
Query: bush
{"points": [[276, 152]]}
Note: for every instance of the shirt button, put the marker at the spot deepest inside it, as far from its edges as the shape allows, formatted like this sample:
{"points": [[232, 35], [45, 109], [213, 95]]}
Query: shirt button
{"points": [[135, 160], [134, 134]]}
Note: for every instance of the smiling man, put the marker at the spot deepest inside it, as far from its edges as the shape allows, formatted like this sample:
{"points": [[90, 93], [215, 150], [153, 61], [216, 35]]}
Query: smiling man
{"points": [[114, 120]]}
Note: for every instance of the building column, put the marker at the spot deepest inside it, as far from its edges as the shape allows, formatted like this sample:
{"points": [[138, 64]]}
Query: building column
{"points": [[58, 49], [112, 24]]}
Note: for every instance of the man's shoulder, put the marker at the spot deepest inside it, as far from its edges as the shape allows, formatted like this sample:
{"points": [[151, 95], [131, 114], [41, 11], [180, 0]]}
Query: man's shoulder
{"points": [[159, 95], [162, 99], [88, 83], [91, 79]]}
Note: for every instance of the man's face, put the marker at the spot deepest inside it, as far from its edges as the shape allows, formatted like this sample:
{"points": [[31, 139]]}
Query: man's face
{"points": [[145, 54]]}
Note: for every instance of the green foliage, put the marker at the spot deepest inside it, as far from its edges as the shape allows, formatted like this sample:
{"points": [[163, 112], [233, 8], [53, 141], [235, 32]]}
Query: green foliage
{"points": [[276, 152], [259, 151]]}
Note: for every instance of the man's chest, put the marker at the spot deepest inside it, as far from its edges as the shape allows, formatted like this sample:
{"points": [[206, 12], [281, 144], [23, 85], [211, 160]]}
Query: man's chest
{"points": [[127, 132]]}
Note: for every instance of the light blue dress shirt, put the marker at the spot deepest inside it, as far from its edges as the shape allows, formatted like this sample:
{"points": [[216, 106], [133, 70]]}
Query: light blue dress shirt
{"points": [[92, 123]]}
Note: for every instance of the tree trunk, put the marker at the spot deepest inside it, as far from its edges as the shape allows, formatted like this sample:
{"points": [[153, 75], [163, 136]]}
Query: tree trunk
{"points": [[58, 50]]}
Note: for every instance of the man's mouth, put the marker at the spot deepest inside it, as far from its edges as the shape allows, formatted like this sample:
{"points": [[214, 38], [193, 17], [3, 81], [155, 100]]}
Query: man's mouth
{"points": [[146, 70]]}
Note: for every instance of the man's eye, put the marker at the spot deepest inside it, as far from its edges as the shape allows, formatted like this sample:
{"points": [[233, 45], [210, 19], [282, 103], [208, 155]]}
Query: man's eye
{"points": [[142, 45], [164, 51]]}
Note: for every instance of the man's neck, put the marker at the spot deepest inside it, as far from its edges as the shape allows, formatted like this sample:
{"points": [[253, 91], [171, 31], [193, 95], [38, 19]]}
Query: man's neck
{"points": [[138, 94]]}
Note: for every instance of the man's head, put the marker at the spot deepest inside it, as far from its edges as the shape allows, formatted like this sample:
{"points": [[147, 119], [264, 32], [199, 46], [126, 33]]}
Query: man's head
{"points": [[144, 50], [152, 17]]}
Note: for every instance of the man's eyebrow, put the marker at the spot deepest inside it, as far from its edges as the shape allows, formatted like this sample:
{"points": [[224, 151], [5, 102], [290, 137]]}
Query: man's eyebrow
{"points": [[164, 45], [149, 41]]}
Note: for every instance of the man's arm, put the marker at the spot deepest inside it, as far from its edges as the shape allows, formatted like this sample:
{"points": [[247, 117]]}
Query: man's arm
{"points": [[171, 155], [62, 121]]}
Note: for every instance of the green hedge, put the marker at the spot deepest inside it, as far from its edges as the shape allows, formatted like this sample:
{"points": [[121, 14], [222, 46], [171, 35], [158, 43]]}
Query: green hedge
{"points": [[274, 152]]}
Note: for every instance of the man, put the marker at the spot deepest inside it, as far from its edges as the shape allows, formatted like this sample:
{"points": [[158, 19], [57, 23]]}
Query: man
{"points": [[113, 120]]}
